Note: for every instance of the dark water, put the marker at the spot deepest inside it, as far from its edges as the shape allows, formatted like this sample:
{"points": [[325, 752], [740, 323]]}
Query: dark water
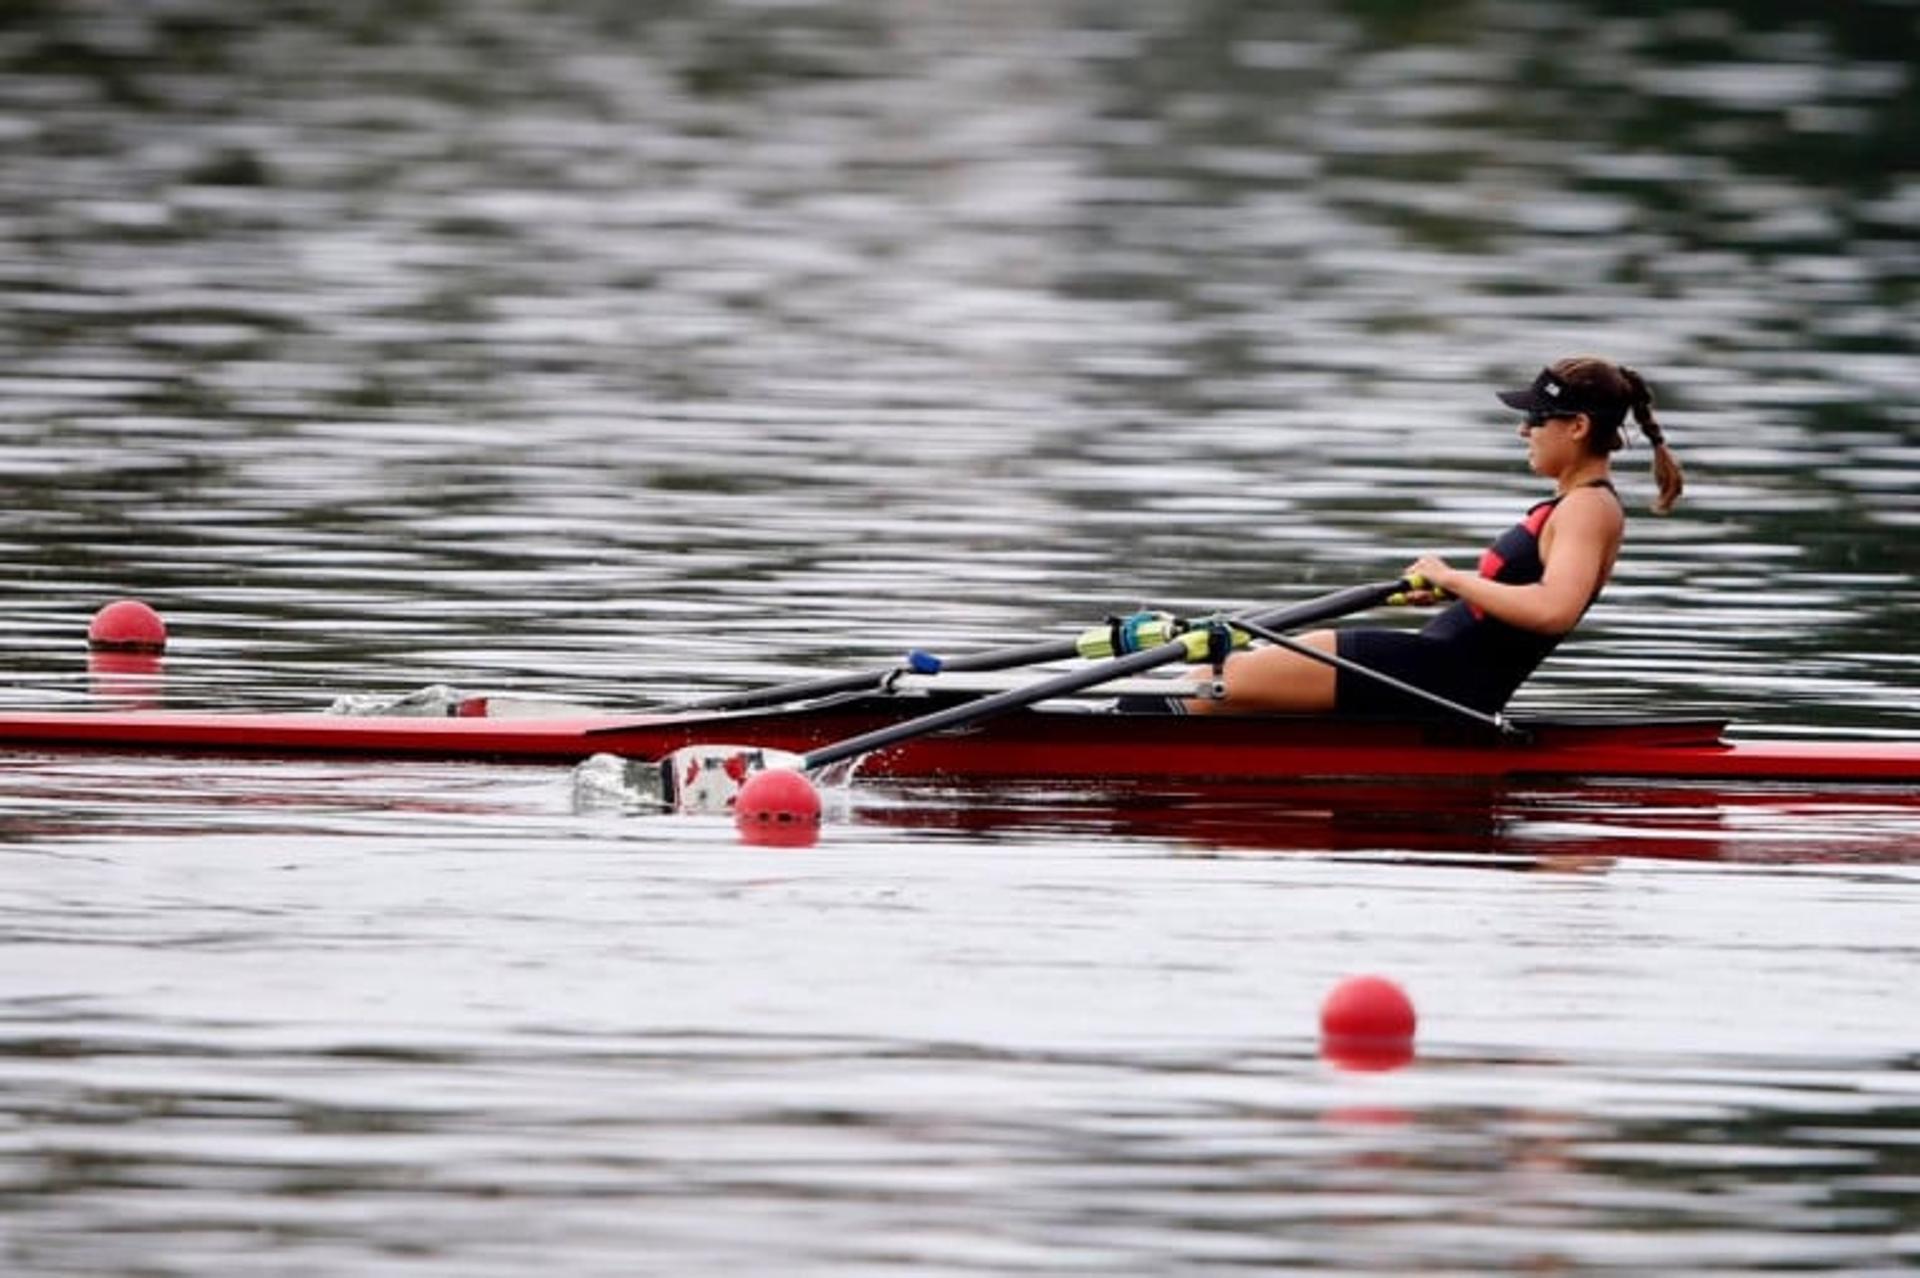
{"points": [[620, 350]]}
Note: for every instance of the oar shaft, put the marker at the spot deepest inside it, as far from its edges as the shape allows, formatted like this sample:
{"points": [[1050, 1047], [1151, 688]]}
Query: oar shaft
{"points": [[834, 685], [998, 703], [1353, 599], [1327, 607], [1031, 654]]}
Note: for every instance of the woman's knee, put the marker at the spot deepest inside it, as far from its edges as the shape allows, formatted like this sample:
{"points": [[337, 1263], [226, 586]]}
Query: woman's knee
{"points": [[1276, 678]]}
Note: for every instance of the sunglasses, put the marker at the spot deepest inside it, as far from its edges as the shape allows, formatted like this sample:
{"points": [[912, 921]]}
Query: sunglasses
{"points": [[1537, 418]]}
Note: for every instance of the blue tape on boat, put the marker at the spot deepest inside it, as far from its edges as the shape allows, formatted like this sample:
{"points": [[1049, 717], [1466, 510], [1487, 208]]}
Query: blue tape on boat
{"points": [[921, 661]]}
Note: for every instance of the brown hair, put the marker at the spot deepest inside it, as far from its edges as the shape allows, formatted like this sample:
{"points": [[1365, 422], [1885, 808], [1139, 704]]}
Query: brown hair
{"points": [[1611, 391]]}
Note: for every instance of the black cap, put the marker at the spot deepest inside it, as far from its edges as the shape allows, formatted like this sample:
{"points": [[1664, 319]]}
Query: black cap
{"points": [[1548, 394]]}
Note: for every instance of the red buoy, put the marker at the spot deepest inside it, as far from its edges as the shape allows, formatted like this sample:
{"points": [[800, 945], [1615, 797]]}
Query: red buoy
{"points": [[778, 808], [127, 625], [1367, 1022]]}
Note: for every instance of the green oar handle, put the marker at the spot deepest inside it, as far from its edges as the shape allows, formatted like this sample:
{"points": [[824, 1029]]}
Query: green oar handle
{"points": [[1353, 599]]}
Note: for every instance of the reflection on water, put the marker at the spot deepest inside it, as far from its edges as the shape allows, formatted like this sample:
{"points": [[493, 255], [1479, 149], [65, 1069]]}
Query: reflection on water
{"points": [[616, 350], [371, 1018], [1530, 825], [62, 798]]}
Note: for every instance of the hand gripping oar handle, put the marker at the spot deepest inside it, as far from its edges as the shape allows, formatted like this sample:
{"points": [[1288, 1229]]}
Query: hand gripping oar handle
{"points": [[1353, 599]]}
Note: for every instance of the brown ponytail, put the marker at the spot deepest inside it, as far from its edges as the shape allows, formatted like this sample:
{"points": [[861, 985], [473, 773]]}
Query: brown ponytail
{"points": [[1666, 467], [1607, 392]]}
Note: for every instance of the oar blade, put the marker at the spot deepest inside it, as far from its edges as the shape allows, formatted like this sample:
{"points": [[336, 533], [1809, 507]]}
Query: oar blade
{"points": [[707, 778], [694, 779]]}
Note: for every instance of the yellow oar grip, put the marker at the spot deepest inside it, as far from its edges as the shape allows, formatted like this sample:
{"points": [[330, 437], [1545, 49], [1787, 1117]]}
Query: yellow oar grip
{"points": [[1418, 584], [1095, 643], [1200, 646]]}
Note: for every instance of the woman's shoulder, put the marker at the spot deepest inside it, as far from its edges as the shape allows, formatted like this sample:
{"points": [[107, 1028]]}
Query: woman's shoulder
{"points": [[1591, 505]]}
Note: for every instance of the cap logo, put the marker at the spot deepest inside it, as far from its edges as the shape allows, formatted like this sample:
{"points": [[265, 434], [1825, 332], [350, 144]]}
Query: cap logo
{"points": [[1551, 388]]}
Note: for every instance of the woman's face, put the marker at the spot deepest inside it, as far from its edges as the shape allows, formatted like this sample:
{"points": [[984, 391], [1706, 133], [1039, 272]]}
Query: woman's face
{"points": [[1553, 443]]}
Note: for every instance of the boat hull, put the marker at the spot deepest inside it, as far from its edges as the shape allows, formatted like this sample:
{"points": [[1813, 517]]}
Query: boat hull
{"points": [[1035, 744]]}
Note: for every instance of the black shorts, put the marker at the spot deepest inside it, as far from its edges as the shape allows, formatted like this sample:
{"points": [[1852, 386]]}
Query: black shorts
{"points": [[1437, 665]]}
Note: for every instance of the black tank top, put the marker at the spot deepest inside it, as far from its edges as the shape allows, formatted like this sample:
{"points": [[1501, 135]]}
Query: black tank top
{"points": [[1498, 655]]}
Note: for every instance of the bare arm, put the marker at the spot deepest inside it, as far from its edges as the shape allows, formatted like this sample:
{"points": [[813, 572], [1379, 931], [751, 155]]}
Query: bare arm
{"points": [[1577, 552]]}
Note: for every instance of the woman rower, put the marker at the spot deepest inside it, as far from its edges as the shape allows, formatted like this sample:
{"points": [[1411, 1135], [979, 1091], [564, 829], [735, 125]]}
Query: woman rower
{"points": [[1533, 584]]}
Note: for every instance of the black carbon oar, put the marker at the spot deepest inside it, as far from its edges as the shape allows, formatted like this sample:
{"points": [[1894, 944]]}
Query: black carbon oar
{"points": [[710, 775], [1029, 654], [833, 685], [1353, 599]]}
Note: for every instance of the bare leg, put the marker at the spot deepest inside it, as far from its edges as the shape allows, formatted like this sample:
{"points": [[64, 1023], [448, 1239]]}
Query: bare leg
{"points": [[1275, 679]]}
